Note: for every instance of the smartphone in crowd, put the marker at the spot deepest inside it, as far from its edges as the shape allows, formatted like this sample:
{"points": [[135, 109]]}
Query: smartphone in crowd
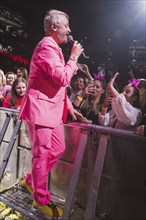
{"points": [[80, 66]]}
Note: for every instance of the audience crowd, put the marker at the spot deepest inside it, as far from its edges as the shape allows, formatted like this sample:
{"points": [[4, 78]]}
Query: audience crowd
{"points": [[98, 100]]}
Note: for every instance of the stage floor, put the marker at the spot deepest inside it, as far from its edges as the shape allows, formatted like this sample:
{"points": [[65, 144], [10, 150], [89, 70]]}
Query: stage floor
{"points": [[21, 202]]}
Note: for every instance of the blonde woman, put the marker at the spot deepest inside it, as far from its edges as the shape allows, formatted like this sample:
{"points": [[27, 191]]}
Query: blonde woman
{"points": [[4, 89]]}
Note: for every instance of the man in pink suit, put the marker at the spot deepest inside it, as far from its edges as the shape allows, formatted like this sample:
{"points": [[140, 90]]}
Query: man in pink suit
{"points": [[45, 107]]}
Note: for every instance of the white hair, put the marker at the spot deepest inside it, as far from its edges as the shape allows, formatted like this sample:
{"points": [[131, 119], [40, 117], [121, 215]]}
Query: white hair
{"points": [[52, 18]]}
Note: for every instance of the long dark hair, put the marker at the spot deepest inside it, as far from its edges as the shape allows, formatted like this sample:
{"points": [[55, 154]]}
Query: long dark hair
{"points": [[103, 95], [24, 72], [14, 95], [136, 102], [98, 106]]}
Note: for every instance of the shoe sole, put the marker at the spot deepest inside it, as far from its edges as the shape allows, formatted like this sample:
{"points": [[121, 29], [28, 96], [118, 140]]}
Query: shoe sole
{"points": [[37, 212], [23, 189]]}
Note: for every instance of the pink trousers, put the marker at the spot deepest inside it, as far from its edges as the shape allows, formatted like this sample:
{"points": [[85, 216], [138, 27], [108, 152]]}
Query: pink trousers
{"points": [[48, 146]]}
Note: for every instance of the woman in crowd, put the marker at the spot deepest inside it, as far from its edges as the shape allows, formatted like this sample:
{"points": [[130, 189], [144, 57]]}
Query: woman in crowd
{"points": [[77, 85], [125, 112], [91, 99], [14, 98], [142, 90], [10, 78], [141, 129], [4, 89], [22, 72], [79, 81]]}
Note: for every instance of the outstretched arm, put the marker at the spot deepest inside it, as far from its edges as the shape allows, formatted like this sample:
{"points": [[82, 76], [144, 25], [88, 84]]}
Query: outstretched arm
{"points": [[86, 71], [111, 87]]}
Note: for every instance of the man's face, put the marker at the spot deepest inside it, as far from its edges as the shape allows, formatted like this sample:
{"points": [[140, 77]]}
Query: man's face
{"points": [[62, 30]]}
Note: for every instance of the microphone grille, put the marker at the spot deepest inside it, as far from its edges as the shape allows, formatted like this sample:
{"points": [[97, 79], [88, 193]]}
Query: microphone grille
{"points": [[70, 39]]}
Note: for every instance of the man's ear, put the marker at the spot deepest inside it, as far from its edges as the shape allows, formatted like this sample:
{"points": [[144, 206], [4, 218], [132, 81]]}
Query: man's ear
{"points": [[54, 27]]}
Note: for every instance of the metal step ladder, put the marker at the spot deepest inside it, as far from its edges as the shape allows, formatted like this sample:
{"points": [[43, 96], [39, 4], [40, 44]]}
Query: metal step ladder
{"points": [[9, 115]]}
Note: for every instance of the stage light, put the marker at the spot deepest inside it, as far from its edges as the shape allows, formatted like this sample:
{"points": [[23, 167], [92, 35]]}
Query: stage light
{"points": [[141, 8], [142, 4]]}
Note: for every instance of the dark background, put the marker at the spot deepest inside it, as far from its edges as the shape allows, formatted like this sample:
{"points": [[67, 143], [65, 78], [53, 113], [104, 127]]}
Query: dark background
{"points": [[106, 29]]}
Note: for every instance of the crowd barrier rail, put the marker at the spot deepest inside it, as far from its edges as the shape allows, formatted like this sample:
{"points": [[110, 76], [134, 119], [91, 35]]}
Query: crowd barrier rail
{"points": [[103, 169]]}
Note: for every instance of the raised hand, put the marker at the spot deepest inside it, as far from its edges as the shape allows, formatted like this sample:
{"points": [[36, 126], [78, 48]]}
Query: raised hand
{"points": [[76, 51], [112, 80]]}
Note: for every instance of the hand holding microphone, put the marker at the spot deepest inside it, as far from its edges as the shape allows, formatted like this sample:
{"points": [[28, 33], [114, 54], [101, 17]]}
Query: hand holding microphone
{"points": [[77, 49]]}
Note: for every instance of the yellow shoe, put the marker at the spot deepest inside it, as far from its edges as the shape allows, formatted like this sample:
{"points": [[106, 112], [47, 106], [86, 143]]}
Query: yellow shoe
{"points": [[25, 187], [49, 211]]}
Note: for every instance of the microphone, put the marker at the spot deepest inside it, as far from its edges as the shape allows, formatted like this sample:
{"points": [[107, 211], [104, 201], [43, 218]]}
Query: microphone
{"points": [[71, 41]]}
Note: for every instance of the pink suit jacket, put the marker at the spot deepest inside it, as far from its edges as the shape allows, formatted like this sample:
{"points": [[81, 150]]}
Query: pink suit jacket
{"points": [[45, 102]]}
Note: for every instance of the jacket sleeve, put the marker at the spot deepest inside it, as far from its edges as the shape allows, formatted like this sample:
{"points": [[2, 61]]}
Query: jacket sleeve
{"points": [[51, 60]]}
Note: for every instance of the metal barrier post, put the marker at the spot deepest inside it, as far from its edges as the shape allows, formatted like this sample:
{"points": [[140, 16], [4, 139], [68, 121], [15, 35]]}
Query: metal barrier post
{"points": [[95, 181], [5, 126], [9, 148], [75, 175]]}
